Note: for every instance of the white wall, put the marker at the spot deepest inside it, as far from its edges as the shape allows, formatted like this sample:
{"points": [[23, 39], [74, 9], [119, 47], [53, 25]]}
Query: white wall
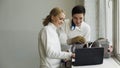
{"points": [[20, 22], [91, 17], [109, 20], [99, 17], [102, 18]]}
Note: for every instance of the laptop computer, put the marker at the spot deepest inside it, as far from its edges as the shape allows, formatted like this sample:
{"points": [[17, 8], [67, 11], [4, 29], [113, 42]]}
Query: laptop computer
{"points": [[88, 56]]}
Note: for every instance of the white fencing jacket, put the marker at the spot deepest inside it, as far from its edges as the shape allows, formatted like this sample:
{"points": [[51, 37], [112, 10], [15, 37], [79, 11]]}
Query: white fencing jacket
{"points": [[66, 32], [50, 48]]}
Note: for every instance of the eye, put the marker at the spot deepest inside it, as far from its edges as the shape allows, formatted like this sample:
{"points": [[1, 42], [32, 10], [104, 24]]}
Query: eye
{"points": [[81, 18], [61, 19], [74, 17]]}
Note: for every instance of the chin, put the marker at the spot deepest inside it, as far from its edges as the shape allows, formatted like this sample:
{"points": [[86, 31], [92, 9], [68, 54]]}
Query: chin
{"points": [[78, 25], [58, 26]]}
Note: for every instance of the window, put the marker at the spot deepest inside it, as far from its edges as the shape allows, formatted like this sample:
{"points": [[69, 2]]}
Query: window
{"points": [[116, 25], [109, 21], [106, 20]]}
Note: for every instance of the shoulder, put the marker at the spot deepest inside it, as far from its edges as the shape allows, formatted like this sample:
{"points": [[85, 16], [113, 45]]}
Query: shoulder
{"points": [[85, 25], [47, 28], [67, 22], [44, 29], [66, 25]]}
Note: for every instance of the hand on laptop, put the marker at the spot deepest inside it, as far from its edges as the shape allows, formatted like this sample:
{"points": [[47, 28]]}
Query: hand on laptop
{"points": [[73, 55]]}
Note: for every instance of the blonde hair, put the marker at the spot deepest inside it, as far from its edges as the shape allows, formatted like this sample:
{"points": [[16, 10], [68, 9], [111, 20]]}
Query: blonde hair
{"points": [[54, 12]]}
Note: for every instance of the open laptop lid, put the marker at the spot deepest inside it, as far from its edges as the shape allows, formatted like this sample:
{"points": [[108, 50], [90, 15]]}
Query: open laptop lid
{"points": [[88, 56]]}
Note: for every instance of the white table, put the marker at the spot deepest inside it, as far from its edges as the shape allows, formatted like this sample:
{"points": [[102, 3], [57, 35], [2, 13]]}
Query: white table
{"points": [[107, 63]]}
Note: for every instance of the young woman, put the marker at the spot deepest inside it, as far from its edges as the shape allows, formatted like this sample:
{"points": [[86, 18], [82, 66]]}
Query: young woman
{"points": [[48, 41]]}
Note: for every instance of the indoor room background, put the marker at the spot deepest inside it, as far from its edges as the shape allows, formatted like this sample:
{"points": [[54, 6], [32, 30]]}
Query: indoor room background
{"points": [[21, 21]]}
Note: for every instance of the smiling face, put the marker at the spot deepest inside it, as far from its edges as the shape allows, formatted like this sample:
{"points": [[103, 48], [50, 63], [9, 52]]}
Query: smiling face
{"points": [[58, 20], [78, 19]]}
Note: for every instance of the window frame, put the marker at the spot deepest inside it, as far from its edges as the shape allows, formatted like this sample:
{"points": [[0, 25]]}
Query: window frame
{"points": [[116, 28]]}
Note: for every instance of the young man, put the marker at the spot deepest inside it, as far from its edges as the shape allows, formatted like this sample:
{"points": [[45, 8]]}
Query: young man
{"points": [[76, 30]]}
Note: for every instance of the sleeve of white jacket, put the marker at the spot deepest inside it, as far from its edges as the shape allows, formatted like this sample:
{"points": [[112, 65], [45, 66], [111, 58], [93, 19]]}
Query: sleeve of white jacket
{"points": [[50, 49]]}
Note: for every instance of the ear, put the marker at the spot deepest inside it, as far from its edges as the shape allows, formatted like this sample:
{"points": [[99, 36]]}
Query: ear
{"points": [[52, 17]]}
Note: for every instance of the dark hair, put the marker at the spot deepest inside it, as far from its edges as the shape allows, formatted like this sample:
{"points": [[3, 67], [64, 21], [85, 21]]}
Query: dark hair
{"points": [[54, 12], [78, 9]]}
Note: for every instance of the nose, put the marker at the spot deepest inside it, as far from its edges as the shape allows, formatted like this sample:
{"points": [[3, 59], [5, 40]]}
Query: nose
{"points": [[78, 21], [62, 21]]}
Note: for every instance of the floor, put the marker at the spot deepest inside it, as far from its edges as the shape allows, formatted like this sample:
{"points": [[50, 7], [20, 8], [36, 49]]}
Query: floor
{"points": [[107, 63]]}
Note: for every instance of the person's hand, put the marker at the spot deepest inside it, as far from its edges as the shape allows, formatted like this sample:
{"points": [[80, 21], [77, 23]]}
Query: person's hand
{"points": [[78, 39], [73, 55]]}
